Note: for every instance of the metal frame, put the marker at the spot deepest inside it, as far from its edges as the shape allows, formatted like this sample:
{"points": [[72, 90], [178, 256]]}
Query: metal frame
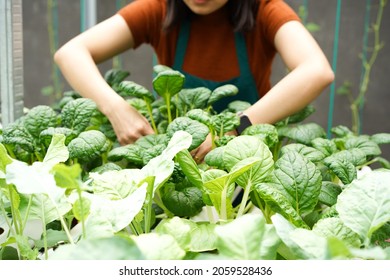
{"points": [[11, 60], [88, 14]]}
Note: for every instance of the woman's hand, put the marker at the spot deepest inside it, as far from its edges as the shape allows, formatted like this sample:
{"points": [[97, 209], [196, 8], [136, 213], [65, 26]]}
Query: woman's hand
{"points": [[199, 153], [128, 123]]}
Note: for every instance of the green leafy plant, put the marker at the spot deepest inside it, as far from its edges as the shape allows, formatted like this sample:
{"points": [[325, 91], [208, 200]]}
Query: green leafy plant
{"points": [[304, 196]]}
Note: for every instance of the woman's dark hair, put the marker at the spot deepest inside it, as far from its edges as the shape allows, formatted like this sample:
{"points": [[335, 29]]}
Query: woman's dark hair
{"points": [[242, 14]]}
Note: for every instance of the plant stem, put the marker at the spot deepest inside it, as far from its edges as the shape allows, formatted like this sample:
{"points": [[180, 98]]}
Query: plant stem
{"points": [[6, 218], [150, 111], [137, 227], [44, 232], [244, 200], [13, 212], [223, 203], [158, 201], [62, 222], [148, 206], [84, 234], [133, 229], [210, 215], [212, 133], [168, 103], [28, 210], [359, 101]]}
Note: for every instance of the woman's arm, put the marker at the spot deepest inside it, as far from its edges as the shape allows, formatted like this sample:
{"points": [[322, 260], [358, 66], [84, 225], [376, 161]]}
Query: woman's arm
{"points": [[310, 73], [78, 61]]}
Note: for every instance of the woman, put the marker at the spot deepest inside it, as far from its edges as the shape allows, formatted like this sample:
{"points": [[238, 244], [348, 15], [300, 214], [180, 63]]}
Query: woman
{"points": [[212, 42]]}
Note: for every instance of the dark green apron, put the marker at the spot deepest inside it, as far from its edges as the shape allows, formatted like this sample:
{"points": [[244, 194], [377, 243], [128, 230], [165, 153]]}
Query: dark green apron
{"points": [[245, 81]]}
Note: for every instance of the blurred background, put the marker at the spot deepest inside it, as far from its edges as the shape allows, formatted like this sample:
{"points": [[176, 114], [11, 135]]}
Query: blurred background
{"points": [[354, 35]]}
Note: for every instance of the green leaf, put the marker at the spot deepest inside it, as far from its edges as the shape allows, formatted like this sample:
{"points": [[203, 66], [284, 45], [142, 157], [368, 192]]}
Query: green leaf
{"points": [[341, 131], [179, 228], [132, 89], [159, 68], [310, 153], [195, 98], [197, 130], [225, 122], [35, 179], [329, 193], [113, 248], [370, 148], [246, 238], [215, 157], [200, 116], [81, 208], [303, 133], [238, 106], [279, 203], [168, 83], [57, 151], [364, 206], [203, 238], [114, 76], [325, 146], [162, 166], [219, 185], [343, 169], [77, 114], [246, 146], [131, 152], [190, 168], [185, 202], [381, 138], [115, 184], [5, 159], [9, 253], [53, 237], [334, 227], [221, 92], [47, 134], [355, 156], [40, 118], [67, 177], [159, 247], [299, 180], [301, 115], [16, 134], [117, 214], [284, 229], [88, 146], [149, 141], [315, 246], [267, 132], [44, 208], [152, 152]]}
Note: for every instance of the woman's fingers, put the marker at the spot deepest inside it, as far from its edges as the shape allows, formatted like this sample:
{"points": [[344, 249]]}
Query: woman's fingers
{"points": [[199, 153]]}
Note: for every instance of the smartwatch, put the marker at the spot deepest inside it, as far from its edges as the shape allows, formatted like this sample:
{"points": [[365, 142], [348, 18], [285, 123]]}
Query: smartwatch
{"points": [[244, 123]]}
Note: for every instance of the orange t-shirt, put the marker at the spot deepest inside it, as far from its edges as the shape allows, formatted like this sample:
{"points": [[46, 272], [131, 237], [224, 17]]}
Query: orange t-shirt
{"points": [[211, 50]]}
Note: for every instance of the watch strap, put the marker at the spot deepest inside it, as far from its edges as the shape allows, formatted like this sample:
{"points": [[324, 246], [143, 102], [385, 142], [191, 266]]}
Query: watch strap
{"points": [[244, 123]]}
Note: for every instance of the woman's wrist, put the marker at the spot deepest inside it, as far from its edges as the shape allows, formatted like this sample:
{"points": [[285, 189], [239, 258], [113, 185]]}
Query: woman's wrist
{"points": [[244, 123]]}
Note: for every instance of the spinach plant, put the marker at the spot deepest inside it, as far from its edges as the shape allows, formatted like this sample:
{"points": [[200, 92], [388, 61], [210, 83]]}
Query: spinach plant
{"points": [[304, 196]]}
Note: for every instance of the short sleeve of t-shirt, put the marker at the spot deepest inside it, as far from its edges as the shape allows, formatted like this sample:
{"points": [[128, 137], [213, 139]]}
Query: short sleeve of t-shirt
{"points": [[144, 18], [272, 15]]}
